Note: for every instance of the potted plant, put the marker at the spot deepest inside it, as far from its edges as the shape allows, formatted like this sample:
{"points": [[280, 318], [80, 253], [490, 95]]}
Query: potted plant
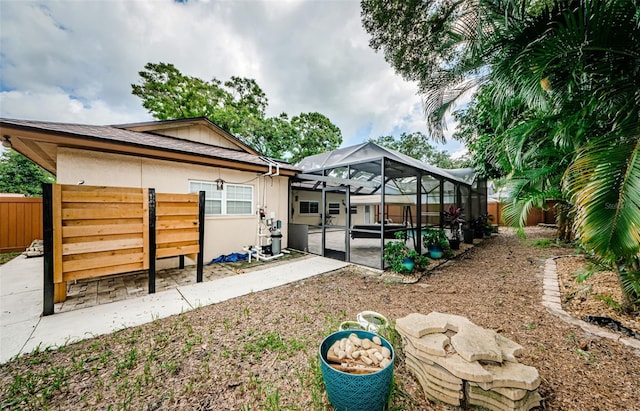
{"points": [[399, 256], [436, 241], [455, 221], [482, 226]]}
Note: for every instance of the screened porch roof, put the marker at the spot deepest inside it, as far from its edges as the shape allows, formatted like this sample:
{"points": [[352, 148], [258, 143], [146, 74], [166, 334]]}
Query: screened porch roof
{"points": [[359, 166]]}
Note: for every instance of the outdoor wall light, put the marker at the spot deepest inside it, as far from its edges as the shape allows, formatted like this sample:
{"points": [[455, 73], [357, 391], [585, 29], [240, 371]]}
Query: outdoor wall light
{"points": [[6, 142], [219, 184]]}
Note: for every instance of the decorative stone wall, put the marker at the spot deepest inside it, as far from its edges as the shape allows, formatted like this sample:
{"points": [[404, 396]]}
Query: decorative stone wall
{"points": [[460, 363]]}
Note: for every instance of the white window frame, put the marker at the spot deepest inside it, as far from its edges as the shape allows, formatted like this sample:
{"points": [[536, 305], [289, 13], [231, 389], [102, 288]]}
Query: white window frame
{"points": [[309, 202], [334, 209], [211, 186]]}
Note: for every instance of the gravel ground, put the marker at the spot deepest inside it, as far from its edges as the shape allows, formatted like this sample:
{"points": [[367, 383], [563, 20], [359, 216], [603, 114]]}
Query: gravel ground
{"points": [[260, 351]]}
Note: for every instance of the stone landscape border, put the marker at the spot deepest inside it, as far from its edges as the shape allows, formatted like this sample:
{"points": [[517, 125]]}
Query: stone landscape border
{"points": [[551, 299]]}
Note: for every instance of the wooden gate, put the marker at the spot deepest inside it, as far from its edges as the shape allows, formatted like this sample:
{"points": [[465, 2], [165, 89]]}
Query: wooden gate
{"points": [[94, 231]]}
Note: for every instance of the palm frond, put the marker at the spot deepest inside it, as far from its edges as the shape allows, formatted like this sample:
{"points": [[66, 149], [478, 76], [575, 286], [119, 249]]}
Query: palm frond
{"points": [[604, 184]]}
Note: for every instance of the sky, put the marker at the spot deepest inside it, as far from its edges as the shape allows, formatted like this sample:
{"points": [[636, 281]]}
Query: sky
{"points": [[75, 60]]}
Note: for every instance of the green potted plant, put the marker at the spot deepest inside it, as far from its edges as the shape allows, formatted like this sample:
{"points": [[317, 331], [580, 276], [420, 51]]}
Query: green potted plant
{"points": [[436, 241], [400, 257]]}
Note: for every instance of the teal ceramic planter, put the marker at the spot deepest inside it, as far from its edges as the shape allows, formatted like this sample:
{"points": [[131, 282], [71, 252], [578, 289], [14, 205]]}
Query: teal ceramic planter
{"points": [[436, 252], [355, 392]]}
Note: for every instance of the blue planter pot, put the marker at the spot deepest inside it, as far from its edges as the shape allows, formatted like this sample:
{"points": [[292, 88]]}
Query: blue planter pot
{"points": [[436, 252], [355, 392], [408, 264]]}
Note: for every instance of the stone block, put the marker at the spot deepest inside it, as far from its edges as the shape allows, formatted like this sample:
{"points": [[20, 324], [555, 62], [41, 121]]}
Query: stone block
{"points": [[416, 325], [419, 355], [433, 344], [511, 375], [495, 401], [513, 394], [448, 396], [439, 398], [424, 371], [475, 343], [510, 350], [433, 387], [456, 365], [437, 372]]}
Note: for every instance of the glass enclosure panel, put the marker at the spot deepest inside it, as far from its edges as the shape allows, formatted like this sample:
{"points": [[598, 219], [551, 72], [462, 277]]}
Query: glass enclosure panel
{"points": [[465, 202], [431, 203]]}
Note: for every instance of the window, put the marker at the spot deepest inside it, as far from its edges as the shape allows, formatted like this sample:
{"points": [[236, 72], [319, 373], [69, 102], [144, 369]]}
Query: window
{"points": [[353, 209], [239, 199], [309, 207], [334, 208], [232, 199]]}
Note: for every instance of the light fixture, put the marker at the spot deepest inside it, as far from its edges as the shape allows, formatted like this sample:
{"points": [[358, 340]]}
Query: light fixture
{"points": [[219, 184], [6, 142]]}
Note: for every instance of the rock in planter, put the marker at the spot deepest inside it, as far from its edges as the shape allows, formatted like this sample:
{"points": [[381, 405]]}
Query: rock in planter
{"points": [[460, 363]]}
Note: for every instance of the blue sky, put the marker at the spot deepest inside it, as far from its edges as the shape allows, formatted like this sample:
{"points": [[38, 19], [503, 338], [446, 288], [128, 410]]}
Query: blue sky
{"points": [[75, 61]]}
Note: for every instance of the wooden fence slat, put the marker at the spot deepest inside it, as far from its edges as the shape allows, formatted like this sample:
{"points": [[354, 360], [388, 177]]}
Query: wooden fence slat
{"points": [[96, 246], [172, 236], [177, 198], [103, 271], [98, 189], [178, 211], [176, 224], [107, 261], [107, 229], [100, 213], [106, 197], [176, 251]]}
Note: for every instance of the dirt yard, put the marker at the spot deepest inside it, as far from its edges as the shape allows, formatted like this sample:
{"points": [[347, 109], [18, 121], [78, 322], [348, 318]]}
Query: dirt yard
{"points": [[260, 351]]}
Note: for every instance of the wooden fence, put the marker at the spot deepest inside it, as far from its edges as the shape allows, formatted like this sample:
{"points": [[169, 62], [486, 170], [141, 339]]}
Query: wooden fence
{"points": [[20, 222], [99, 231], [535, 216]]}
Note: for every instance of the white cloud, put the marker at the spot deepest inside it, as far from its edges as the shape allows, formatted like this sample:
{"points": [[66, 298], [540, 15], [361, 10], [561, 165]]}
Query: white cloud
{"points": [[74, 61], [56, 105]]}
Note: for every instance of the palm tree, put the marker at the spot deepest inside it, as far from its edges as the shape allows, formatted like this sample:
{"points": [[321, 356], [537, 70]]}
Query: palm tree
{"points": [[578, 65], [558, 101]]}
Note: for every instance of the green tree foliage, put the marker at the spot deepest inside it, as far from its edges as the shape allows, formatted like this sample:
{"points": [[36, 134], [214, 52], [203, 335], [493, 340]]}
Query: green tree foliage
{"points": [[418, 146], [237, 105], [557, 108], [20, 176]]}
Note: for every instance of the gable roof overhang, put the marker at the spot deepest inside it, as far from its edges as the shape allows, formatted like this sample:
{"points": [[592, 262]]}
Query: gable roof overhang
{"points": [[39, 141], [157, 126]]}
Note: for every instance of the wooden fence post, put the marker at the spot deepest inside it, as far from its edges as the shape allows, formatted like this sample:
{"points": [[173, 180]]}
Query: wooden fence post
{"points": [[47, 230], [152, 240], [200, 267]]}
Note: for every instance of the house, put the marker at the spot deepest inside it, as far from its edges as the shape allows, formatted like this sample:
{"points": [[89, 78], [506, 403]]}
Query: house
{"points": [[243, 189]]}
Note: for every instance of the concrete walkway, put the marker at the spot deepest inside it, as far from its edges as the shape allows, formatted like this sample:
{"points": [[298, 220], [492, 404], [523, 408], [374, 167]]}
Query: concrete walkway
{"points": [[22, 328]]}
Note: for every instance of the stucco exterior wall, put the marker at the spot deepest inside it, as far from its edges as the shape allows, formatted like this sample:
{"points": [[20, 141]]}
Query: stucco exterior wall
{"points": [[223, 233]]}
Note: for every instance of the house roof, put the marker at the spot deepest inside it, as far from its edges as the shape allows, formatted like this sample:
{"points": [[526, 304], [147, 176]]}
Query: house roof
{"points": [[39, 141]]}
